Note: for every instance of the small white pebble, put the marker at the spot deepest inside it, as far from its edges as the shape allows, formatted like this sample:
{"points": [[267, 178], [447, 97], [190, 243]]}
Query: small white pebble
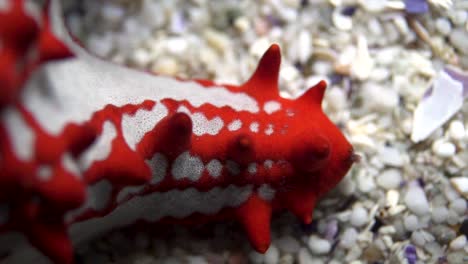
{"points": [[389, 179], [411, 222], [365, 182], [443, 26], [458, 17], [336, 98], [375, 27], [341, 21], [461, 185], [242, 24], [165, 66], [416, 200], [458, 206], [217, 40], [112, 13], [407, 126], [391, 156], [272, 255], [255, 257], [363, 63], [289, 73], [305, 257], [354, 254], [401, 25], [380, 74], [418, 238], [392, 198], [304, 46], [435, 249], [153, 14], [318, 245], [451, 193], [373, 6], [458, 243], [387, 230], [141, 58], [100, 45], [287, 244], [443, 149], [177, 45], [457, 130], [439, 214], [259, 46], [348, 238], [459, 38], [359, 216], [347, 186], [453, 218], [421, 237]]}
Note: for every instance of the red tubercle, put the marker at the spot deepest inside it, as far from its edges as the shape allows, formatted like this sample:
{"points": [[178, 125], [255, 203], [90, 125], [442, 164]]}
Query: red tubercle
{"points": [[171, 136], [255, 215], [49, 46], [263, 84], [241, 149], [122, 166], [25, 29]]}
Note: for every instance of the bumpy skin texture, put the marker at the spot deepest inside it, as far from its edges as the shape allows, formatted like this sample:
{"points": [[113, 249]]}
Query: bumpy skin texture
{"points": [[87, 146]]}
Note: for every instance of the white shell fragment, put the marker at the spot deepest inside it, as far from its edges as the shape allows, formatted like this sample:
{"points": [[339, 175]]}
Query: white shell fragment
{"points": [[433, 111], [363, 64], [319, 246], [416, 200], [461, 185]]}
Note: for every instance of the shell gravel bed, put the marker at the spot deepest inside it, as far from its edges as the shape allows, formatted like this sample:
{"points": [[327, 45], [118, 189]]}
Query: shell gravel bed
{"points": [[406, 202]]}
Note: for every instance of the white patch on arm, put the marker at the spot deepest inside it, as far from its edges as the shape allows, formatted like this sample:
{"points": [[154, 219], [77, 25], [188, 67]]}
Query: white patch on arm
{"points": [[70, 165], [269, 130], [101, 148], [254, 127], [135, 127], [201, 124], [271, 106], [268, 164], [235, 125], [252, 168], [154, 206], [98, 197], [266, 192], [214, 168], [107, 83], [21, 135], [158, 165], [187, 166]]}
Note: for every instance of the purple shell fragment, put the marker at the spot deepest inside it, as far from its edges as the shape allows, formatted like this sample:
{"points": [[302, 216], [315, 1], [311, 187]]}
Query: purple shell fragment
{"points": [[331, 230], [416, 6], [410, 254]]}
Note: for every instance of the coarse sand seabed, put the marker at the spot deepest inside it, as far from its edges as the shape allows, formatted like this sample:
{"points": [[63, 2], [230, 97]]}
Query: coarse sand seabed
{"points": [[404, 203]]}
